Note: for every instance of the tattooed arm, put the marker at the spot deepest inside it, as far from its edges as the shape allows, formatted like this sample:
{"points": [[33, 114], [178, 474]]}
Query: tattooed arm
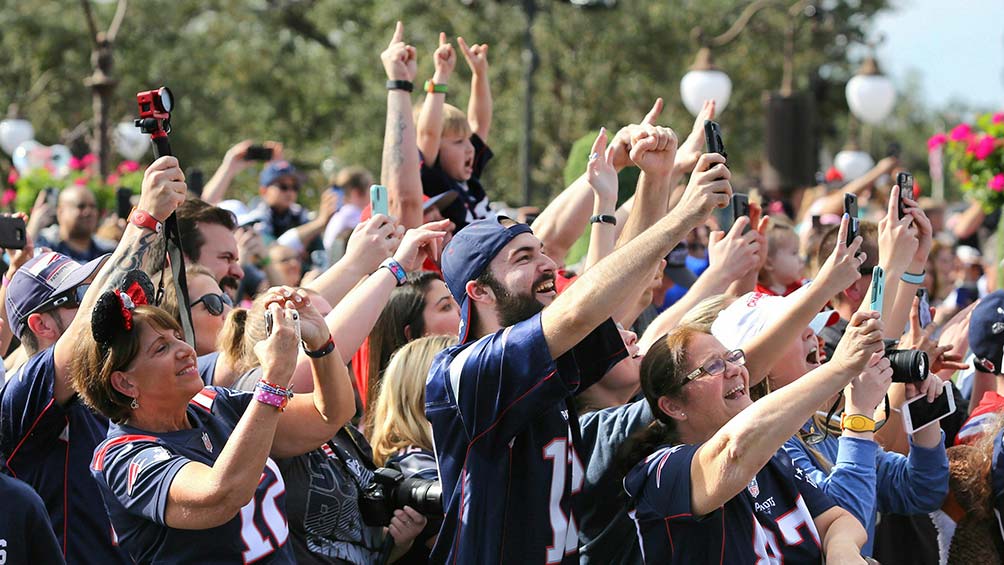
{"points": [[400, 168], [140, 248]]}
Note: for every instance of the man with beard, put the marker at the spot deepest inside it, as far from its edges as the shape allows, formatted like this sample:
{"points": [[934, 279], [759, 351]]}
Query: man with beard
{"points": [[77, 220], [500, 402], [207, 239]]}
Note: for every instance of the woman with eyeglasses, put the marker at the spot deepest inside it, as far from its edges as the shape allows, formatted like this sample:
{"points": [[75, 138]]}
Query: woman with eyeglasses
{"points": [[709, 480]]}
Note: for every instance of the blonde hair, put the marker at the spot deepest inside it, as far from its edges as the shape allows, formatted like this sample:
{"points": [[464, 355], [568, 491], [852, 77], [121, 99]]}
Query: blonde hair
{"points": [[704, 314], [241, 330], [455, 122], [398, 418]]}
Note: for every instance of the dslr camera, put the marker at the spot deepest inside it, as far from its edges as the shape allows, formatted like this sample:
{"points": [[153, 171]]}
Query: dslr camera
{"points": [[390, 491], [908, 366]]}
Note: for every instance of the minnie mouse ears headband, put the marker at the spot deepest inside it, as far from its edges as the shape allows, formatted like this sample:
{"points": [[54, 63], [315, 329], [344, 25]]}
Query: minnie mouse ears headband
{"points": [[114, 309]]}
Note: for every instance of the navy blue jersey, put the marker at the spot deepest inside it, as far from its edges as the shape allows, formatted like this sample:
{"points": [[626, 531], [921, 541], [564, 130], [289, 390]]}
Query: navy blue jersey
{"points": [[504, 430], [134, 470], [770, 522], [49, 447], [415, 462], [25, 533]]}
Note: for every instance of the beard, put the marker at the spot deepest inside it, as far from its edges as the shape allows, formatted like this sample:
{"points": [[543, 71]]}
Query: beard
{"points": [[512, 308]]}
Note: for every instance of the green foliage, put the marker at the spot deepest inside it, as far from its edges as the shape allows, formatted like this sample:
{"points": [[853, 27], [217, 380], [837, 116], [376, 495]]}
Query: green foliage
{"points": [[28, 187], [307, 72]]}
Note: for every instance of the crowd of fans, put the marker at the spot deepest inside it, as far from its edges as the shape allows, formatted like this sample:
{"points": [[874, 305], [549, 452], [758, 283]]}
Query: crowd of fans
{"points": [[435, 384]]}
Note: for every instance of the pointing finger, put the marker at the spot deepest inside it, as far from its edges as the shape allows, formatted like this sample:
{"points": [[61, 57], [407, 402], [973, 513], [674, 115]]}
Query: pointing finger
{"points": [[653, 114], [398, 34]]}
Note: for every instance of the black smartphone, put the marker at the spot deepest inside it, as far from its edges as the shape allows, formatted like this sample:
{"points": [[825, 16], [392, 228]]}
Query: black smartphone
{"points": [[740, 208], [726, 216], [924, 308], [904, 181], [196, 180], [258, 153], [920, 413], [713, 138], [268, 323], [851, 209], [13, 234], [52, 196], [123, 202]]}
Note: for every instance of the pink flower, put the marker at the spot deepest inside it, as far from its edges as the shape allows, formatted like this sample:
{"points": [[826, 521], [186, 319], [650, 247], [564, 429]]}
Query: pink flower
{"points": [[128, 167], [76, 164], [936, 140], [89, 159], [8, 196], [12, 177], [960, 132], [997, 183], [113, 179], [984, 147], [998, 118], [80, 181]]}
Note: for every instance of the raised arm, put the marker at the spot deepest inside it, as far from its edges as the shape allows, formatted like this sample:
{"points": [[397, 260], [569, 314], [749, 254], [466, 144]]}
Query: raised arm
{"points": [[897, 242], [598, 293], [233, 163], [833, 203], [371, 242], [653, 150], [603, 182], [163, 190], [691, 149], [399, 169], [18, 257], [479, 107], [430, 119], [725, 464]]}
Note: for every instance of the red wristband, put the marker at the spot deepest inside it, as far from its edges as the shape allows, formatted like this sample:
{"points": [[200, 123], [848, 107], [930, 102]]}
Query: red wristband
{"points": [[145, 220]]}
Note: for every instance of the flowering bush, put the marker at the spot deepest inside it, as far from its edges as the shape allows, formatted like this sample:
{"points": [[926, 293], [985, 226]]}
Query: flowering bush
{"points": [[83, 171], [976, 154]]}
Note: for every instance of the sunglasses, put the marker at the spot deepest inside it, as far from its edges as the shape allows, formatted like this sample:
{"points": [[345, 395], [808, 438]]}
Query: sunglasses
{"points": [[288, 186], [67, 299], [214, 303], [717, 365]]}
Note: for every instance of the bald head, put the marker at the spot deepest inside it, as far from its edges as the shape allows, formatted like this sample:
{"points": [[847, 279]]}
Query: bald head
{"points": [[77, 213]]}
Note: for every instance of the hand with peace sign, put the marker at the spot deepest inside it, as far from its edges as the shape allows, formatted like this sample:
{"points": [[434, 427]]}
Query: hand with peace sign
{"points": [[400, 60], [445, 59]]}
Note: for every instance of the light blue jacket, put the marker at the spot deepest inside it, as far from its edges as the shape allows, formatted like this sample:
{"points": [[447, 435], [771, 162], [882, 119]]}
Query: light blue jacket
{"points": [[866, 480]]}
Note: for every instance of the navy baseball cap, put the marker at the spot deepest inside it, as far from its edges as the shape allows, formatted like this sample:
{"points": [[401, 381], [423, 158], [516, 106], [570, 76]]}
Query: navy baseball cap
{"points": [[46, 280], [276, 170], [468, 254], [986, 333]]}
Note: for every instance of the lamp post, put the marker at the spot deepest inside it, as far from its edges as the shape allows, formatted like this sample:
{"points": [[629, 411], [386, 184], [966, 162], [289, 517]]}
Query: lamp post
{"points": [[870, 94], [703, 82]]}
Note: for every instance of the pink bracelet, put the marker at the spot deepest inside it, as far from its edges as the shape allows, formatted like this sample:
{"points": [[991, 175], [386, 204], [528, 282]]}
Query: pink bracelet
{"points": [[270, 398], [6, 281]]}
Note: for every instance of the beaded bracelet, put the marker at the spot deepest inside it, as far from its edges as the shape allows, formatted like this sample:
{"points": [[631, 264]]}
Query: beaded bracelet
{"points": [[271, 394]]}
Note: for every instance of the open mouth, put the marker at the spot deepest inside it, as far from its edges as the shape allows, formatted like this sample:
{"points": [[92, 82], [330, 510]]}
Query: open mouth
{"points": [[813, 357], [738, 392], [544, 286]]}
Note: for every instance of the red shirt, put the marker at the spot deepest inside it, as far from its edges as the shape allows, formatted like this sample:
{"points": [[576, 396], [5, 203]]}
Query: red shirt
{"points": [[991, 404]]}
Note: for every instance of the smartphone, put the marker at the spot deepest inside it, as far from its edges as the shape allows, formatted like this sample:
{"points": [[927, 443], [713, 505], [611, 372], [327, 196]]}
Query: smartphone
{"points": [[378, 200], [258, 153], [123, 202], [851, 209], [924, 308], [713, 138], [196, 181], [726, 216], [878, 288], [52, 196], [904, 181], [918, 413], [269, 322], [12, 233], [740, 208]]}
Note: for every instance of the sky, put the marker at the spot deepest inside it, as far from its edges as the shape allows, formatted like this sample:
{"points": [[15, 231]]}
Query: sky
{"points": [[956, 47]]}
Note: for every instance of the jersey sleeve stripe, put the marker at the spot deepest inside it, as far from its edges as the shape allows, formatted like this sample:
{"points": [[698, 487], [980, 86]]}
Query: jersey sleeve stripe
{"points": [[98, 463], [204, 399], [10, 457]]}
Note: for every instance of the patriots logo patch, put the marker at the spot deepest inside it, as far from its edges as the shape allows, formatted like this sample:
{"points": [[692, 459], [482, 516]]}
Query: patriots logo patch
{"points": [[206, 442], [142, 460], [754, 488]]}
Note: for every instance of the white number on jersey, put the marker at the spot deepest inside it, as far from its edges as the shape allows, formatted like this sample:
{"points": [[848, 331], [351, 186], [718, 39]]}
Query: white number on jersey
{"points": [[768, 551], [256, 544], [564, 531]]}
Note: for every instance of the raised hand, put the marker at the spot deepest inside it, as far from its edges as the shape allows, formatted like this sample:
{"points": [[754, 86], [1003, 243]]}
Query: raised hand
{"points": [[862, 339], [601, 172], [925, 235], [421, 243], [622, 140], [709, 188], [920, 339], [163, 188], [734, 254], [277, 352], [693, 147], [869, 387], [842, 268], [476, 56], [371, 242], [400, 61], [329, 204], [444, 59], [313, 330], [18, 257], [897, 237]]}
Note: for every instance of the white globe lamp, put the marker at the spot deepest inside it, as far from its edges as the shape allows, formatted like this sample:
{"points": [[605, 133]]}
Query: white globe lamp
{"points": [[870, 95], [703, 82], [852, 163], [130, 142], [14, 132]]}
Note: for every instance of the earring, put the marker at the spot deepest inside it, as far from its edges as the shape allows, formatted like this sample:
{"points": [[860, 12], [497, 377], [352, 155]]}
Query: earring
{"points": [[684, 414], [134, 404]]}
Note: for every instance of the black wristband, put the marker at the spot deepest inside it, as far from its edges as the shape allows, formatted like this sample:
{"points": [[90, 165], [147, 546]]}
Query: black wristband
{"points": [[326, 349], [405, 85], [604, 219]]}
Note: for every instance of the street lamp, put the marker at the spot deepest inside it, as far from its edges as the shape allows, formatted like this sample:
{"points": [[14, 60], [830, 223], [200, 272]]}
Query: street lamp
{"points": [[852, 162], [14, 132], [870, 94], [703, 82]]}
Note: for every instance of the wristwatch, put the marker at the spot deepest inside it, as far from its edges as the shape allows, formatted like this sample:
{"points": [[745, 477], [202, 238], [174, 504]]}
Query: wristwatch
{"points": [[145, 220], [405, 85], [857, 423], [431, 87]]}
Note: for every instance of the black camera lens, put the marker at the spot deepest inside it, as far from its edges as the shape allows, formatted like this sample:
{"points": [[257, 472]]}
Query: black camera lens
{"points": [[423, 495], [164, 99], [390, 491], [908, 366]]}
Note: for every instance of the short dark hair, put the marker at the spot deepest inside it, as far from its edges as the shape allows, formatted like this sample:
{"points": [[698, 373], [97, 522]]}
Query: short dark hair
{"points": [[869, 244], [194, 212]]}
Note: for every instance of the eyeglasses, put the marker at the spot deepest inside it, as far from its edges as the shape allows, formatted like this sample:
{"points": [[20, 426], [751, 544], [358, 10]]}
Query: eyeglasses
{"points": [[67, 299], [717, 365], [214, 303], [287, 186]]}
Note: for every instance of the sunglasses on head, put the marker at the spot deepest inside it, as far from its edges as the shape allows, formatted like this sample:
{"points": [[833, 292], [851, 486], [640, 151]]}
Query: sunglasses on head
{"points": [[214, 303], [67, 299]]}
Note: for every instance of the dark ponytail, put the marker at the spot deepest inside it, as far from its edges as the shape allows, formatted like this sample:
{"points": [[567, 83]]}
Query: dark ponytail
{"points": [[662, 373]]}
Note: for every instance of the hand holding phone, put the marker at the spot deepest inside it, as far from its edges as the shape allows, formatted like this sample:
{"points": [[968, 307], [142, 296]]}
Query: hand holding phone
{"points": [[851, 209], [378, 200], [924, 308], [918, 413], [713, 138], [258, 153], [13, 234], [877, 289]]}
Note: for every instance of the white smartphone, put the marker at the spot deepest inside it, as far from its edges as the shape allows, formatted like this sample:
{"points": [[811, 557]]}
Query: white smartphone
{"points": [[918, 413]]}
